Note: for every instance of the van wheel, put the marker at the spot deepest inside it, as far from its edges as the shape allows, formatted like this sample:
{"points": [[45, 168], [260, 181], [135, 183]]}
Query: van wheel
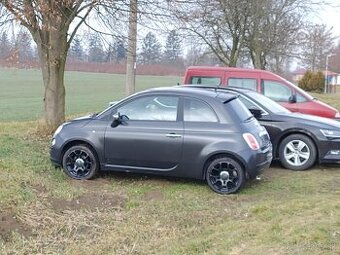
{"points": [[297, 152], [225, 175], [80, 162]]}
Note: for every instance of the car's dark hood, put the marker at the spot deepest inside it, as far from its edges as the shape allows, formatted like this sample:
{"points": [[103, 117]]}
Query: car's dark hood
{"points": [[83, 118], [81, 121], [305, 119]]}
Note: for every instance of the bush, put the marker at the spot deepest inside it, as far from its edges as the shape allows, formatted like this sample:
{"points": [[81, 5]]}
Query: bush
{"points": [[314, 82]]}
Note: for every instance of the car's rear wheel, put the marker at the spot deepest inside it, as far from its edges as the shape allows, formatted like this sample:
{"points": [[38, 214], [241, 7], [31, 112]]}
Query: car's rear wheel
{"points": [[225, 175], [80, 162], [297, 152]]}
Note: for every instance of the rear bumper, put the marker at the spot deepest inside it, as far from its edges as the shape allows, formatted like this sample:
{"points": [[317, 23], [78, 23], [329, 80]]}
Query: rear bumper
{"points": [[258, 162]]}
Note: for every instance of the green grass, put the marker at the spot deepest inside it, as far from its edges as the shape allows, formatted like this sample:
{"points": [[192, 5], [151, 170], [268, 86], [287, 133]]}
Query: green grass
{"points": [[286, 212], [42, 211], [22, 91]]}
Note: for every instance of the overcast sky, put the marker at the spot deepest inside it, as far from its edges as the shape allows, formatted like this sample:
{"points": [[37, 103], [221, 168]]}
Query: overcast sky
{"points": [[331, 17]]}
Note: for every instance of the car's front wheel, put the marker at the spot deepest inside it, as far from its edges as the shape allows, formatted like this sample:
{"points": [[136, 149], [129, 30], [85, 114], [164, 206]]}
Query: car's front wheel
{"points": [[297, 152], [225, 175], [80, 162]]}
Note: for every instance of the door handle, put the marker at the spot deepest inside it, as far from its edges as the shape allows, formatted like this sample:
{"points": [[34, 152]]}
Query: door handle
{"points": [[173, 135]]}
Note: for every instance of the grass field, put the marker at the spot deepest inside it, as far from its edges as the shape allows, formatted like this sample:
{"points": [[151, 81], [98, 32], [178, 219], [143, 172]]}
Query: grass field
{"points": [[21, 91], [42, 211]]}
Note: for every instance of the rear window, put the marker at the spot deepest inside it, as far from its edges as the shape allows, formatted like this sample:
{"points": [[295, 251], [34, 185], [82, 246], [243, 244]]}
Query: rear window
{"points": [[241, 111], [206, 80]]}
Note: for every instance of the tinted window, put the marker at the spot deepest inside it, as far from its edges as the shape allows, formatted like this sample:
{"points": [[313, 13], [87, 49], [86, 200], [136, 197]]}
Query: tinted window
{"points": [[210, 81], [276, 91], [198, 111], [240, 109], [242, 83], [151, 108]]}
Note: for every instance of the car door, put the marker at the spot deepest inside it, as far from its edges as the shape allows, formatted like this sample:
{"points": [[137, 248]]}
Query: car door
{"points": [[152, 137]]}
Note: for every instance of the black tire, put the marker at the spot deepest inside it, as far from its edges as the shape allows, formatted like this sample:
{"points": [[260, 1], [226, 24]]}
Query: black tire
{"points": [[225, 175], [297, 152], [80, 162]]}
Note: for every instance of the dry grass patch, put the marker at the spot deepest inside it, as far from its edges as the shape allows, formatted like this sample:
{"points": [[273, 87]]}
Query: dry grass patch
{"points": [[285, 213]]}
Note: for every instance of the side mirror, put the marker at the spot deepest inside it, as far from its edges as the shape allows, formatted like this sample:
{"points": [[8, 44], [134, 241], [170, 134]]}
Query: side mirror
{"points": [[256, 112], [116, 120], [119, 119], [292, 99]]}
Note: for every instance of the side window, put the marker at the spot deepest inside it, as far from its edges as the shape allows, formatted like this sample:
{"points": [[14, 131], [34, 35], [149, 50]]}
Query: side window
{"points": [[276, 91], [161, 108], [300, 98], [198, 111], [206, 80], [243, 83]]}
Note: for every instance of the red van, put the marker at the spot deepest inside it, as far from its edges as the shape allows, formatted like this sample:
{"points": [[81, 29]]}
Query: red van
{"points": [[264, 82]]}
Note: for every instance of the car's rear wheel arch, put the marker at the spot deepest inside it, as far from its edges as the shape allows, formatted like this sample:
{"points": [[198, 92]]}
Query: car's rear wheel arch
{"points": [[221, 155], [80, 142]]}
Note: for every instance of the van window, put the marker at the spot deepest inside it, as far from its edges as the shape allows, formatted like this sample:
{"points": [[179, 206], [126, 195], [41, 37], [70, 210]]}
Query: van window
{"points": [[206, 80], [276, 91], [242, 83]]}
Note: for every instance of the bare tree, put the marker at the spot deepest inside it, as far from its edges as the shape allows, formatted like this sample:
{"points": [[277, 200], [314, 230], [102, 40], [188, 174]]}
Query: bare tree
{"points": [[49, 24], [266, 32], [318, 43], [334, 59], [221, 24], [273, 31]]}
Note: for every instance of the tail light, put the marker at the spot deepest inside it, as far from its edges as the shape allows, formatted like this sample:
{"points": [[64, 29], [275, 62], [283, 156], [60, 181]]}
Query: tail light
{"points": [[251, 141]]}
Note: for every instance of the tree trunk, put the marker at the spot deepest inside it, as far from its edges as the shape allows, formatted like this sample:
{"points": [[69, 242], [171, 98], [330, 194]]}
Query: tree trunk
{"points": [[53, 60], [54, 98], [131, 54], [259, 61]]}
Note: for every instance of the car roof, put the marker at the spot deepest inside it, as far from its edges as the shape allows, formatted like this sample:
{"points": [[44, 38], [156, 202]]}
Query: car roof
{"points": [[199, 91]]}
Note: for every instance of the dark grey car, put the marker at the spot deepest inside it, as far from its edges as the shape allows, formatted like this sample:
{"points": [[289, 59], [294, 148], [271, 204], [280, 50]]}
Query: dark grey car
{"points": [[177, 131]]}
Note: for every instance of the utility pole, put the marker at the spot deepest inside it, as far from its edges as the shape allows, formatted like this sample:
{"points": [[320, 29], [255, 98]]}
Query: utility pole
{"points": [[132, 47]]}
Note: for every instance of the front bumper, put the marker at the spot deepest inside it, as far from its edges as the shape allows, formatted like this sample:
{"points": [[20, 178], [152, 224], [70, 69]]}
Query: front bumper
{"points": [[329, 151], [55, 152]]}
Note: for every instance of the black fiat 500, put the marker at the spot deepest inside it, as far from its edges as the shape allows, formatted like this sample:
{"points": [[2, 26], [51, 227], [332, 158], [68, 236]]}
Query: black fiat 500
{"points": [[299, 140], [183, 132]]}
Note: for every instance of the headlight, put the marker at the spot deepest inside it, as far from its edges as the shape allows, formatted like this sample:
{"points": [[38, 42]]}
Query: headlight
{"points": [[337, 115], [332, 134], [53, 142]]}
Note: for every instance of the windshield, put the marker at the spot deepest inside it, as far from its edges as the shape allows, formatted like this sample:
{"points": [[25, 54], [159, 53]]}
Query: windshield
{"points": [[266, 102]]}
